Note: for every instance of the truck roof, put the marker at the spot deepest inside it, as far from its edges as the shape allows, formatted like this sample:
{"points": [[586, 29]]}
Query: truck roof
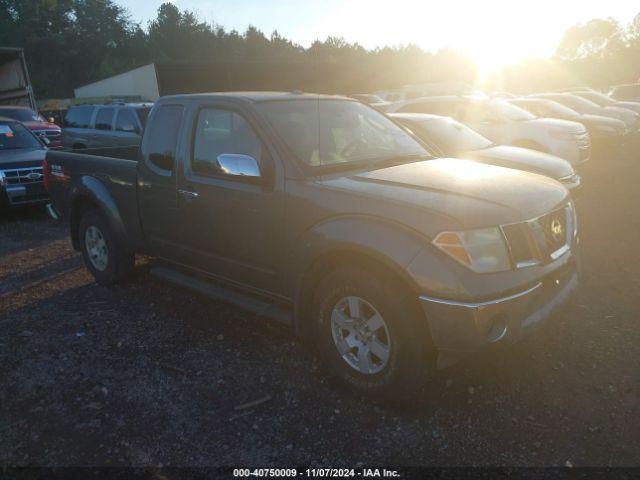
{"points": [[261, 96]]}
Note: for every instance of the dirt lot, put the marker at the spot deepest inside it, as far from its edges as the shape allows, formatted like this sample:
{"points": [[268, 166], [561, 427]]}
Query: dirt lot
{"points": [[149, 374]]}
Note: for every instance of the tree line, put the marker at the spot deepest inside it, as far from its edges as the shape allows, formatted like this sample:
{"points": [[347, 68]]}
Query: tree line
{"points": [[69, 43]]}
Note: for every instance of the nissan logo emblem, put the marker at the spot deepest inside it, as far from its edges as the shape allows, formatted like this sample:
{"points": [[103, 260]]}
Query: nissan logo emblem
{"points": [[557, 231]]}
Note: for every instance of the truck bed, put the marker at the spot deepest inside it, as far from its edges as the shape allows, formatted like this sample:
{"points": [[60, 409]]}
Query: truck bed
{"points": [[105, 176]]}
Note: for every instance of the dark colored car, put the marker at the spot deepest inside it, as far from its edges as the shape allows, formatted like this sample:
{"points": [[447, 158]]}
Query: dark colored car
{"points": [[21, 156], [34, 122], [601, 129], [322, 212], [109, 125], [450, 138]]}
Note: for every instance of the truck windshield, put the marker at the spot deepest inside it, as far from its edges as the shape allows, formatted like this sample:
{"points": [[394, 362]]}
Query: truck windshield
{"points": [[451, 136], [21, 114], [333, 133], [14, 136]]}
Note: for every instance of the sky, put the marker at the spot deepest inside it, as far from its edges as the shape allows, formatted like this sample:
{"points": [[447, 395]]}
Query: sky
{"points": [[493, 32]]}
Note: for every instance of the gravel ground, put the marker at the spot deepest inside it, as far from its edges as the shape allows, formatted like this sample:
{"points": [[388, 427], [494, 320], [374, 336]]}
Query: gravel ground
{"points": [[150, 374]]}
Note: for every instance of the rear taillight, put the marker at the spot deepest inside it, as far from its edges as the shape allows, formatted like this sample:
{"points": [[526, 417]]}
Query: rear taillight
{"points": [[45, 174]]}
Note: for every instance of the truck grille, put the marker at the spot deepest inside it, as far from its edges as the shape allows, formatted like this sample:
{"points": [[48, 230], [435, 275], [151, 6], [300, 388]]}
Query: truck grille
{"points": [[50, 134], [540, 240], [23, 176]]}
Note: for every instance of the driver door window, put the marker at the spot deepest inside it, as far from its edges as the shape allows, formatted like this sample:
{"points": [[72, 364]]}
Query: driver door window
{"points": [[222, 132]]}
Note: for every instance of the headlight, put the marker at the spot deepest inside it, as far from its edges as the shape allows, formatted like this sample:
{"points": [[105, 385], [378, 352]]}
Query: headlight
{"points": [[482, 250], [3, 179]]}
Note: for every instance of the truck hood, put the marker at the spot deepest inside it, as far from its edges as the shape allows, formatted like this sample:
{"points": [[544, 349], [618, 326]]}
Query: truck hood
{"points": [[522, 159], [469, 193], [22, 158]]}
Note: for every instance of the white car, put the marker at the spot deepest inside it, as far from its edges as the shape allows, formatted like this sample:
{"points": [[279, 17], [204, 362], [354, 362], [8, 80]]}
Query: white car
{"points": [[447, 137], [506, 124], [606, 101], [584, 106]]}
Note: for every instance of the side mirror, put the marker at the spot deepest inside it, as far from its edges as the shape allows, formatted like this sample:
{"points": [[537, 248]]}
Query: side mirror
{"points": [[51, 120], [239, 165]]}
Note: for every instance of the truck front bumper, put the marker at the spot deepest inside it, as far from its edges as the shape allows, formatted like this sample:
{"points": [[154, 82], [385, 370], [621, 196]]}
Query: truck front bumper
{"points": [[24, 194], [460, 328]]}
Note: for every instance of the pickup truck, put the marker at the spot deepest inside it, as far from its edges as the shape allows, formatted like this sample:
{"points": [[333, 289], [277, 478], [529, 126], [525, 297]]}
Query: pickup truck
{"points": [[324, 213]]}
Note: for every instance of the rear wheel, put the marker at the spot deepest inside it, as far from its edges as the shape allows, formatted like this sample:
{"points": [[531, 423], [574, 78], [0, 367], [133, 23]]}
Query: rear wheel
{"points": [[370, 334], [107, 261]]}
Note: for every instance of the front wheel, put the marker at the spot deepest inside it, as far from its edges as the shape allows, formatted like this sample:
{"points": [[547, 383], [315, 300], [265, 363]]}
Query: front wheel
{"points": [[371, 334], [107, 261]]}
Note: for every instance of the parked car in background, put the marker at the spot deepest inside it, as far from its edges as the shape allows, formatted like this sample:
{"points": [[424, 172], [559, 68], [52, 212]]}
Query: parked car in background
{"points": [[21, 156], [627, 93], [602, 130], [506, 124], [109, 125], [369, 98], [323, 213], [581, 105], [450, 138], [606, 101], [34, 122], [420, 90]]}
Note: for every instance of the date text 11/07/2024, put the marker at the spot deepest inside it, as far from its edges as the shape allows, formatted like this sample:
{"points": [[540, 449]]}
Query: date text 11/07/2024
{"points": [[316, 472]]}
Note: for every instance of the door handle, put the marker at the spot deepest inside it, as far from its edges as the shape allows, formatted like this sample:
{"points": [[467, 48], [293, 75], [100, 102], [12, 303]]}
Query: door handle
{"points": [[188, 195]]}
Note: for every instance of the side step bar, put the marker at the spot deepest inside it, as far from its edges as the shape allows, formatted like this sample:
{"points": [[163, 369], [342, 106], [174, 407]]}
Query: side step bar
{"points": [[218, 292]]}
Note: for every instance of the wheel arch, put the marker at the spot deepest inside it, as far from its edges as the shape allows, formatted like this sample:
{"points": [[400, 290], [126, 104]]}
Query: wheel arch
{"points": [[385, 249], [90, 193]]}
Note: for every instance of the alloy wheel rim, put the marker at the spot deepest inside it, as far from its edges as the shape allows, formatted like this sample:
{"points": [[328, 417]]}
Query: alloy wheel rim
{"points": [[360, 335], [96, 247]]}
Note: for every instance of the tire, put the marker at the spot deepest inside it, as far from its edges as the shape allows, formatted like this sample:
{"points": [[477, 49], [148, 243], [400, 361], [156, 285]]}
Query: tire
{"points": [[410, 351], [107, 261]]}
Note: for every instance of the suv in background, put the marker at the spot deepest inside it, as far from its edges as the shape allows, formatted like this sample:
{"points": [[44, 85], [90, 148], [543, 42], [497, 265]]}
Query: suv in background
{"points": [[34, 122], [109, 125]]}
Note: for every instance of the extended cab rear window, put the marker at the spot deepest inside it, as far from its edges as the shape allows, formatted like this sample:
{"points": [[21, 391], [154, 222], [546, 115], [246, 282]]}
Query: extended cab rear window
{"points": [[162, 138]]}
